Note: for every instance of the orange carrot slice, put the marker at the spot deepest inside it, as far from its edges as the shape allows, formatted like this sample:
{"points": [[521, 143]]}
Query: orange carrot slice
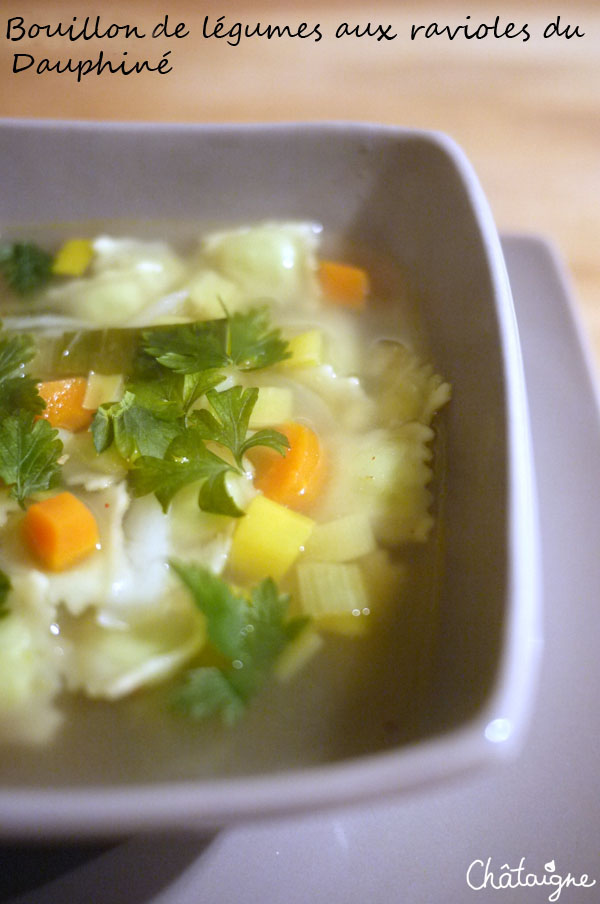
{"points": [[344, 284], [64, 403], [60, 531], [296, 478]]}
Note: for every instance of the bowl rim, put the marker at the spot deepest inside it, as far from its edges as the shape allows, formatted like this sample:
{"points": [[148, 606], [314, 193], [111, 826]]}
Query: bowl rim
{"points": [[494, 732]]}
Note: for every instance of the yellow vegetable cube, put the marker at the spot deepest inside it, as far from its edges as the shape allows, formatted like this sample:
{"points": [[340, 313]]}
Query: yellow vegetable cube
{"points": [[273, 406], [268, 540], [306, 350], [73, 258]]}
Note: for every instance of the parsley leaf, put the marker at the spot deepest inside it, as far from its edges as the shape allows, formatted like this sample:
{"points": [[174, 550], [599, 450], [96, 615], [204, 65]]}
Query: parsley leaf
{"points": [[15, 352], [189, 347], [186, 462], [25, 266], [249, 633], [181, 389], [244, 340], [155, 425], [5, 588], [206, 692], [252, 344], [137, 426], [17, 390], [233, 408], [29, 453]]}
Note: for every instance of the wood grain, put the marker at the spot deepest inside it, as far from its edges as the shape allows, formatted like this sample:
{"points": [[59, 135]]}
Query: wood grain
{"points": [[527, 113]]}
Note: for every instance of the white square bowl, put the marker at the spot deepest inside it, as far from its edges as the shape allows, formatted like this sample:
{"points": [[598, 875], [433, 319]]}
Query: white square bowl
{"points": [[412, 195]]}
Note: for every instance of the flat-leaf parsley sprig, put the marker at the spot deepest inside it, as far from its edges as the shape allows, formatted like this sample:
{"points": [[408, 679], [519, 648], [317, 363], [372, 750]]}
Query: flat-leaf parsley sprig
{"points": [[249, 633], [18, 391], [29, 447], [228, 425], [160, 430], [25, 266], [187, 459], [244, 340], [29, 455]]}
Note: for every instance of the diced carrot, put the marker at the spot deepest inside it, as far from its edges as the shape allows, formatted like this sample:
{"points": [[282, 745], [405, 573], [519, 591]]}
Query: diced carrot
{"points": [[64, 403], [296, 478], [344, 284], [60, 531]]}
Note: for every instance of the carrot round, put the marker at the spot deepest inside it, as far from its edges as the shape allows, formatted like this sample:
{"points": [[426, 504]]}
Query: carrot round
{"points": [[344, 284], [60, 531], [294, 479], [64, 403]]}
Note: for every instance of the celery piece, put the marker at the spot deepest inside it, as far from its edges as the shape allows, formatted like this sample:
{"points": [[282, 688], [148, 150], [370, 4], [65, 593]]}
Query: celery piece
{"points": [[342, 540], [334, 594], [331, 588]]}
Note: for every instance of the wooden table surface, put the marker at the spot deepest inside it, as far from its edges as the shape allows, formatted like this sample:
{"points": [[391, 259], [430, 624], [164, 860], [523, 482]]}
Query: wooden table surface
{"points": [[527, 113]]}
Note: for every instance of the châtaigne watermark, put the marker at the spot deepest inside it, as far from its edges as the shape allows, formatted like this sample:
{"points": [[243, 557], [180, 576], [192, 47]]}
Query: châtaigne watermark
{"points": [[481, 874]]}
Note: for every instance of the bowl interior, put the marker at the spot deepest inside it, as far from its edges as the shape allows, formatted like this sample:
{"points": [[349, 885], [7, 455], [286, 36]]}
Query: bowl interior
{"points": [[398, 193]]}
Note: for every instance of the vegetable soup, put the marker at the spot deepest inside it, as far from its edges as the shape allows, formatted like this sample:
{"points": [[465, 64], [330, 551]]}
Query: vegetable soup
{"points": [[219, 508]]}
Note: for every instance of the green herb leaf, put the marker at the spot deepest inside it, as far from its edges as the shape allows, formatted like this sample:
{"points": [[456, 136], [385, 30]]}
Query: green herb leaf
{"points": [[20, 394], [227, 614], [206, 692], [187, 459], [189, 347], [15, 352], [25, 266], [229, 428], [249, 633], [244, 340], [252, 342], [196, 385], [145, 426], [233, 408], [17, 390], [186, 463], [182, 390], [5, 588], [29, 453]]}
